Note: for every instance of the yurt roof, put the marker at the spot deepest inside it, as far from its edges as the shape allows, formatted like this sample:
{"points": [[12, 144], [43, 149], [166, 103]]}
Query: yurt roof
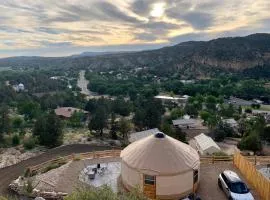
{"points": [[161, 155]]}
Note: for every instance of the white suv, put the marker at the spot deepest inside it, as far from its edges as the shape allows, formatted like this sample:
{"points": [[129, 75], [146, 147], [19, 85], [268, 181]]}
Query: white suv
{"points": [[233, 186]]}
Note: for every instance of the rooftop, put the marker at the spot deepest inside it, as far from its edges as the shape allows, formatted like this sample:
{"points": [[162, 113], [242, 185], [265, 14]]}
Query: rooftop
{"points": [[205, 142], [185, 121], [142, 134], [67, 111]]}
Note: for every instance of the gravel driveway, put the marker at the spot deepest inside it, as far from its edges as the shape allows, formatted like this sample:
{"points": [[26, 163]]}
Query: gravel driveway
{"points": [[208, 188]]}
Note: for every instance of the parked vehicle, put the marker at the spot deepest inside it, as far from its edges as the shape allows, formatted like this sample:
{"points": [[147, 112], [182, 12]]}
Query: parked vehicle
{"points": [[233, 186]]}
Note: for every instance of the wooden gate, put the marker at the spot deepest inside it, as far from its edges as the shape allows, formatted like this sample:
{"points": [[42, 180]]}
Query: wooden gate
{"points": [[149, 186]]}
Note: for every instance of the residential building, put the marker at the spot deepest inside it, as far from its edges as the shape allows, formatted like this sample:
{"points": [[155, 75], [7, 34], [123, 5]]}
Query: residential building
{"points": [[67, 112], [232, 122], [142, 134]]}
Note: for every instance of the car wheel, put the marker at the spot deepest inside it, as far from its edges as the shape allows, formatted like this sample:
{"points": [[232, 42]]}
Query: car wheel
{"points": [[219, 184]]}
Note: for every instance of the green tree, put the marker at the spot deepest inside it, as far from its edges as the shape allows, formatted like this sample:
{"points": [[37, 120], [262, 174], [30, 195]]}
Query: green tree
{"points": [[265, 135], [17, 122], [212, 121], [210, 103], [99, 120], [251, 142], [15, 140], [121, 107], [5, 126], [48, 129], [76, 119], [205, 115], [176, 113], [29, 109], [114, 127], [191, 110], [222, 131], [124, 128]]}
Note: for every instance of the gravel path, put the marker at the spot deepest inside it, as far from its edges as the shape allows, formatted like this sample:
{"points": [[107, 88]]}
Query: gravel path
{"points": [[12, 172]]}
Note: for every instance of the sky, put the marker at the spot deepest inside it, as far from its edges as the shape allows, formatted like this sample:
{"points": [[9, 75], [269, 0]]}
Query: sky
{"points": [[66, 27]]}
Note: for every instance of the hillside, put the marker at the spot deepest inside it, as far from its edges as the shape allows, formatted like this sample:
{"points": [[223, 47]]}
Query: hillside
{"points": [[233, 54]]}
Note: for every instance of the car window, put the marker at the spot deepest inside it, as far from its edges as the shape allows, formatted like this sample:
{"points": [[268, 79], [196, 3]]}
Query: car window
{"points": [[239, 188], [225, 179]]}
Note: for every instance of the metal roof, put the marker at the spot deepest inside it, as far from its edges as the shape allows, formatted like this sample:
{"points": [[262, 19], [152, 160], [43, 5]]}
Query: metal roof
{"points": [[142, 134], [184, 121], [205, 142]]}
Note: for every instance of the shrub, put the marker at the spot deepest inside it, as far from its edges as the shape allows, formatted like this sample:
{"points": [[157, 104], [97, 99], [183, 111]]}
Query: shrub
{"points": [[104, 193], [220, 153], [15, 140], [251, 142], [28, 187], [248, 110], [54, 166], [29, 143]]}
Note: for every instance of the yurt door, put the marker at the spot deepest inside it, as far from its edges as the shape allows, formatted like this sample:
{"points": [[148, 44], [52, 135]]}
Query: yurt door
{"points": [[149, 186]]}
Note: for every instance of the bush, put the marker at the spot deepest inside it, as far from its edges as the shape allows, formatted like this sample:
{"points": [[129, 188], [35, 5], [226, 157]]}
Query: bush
{"points": [[15, 140], [54, 166], [222, 131], [248, 110], [28, 187], [251, 142], [29, 143], [104, 193], [220, 153]]}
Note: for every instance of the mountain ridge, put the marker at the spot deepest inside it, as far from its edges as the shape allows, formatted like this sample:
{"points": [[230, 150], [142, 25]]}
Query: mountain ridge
{"points": [[227, 54]]}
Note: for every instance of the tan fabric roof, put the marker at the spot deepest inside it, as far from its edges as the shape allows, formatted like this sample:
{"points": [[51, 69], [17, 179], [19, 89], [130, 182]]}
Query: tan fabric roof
{"points": [[161, 155]]}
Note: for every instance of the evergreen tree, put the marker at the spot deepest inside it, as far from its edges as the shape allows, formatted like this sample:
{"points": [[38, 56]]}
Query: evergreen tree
{"points": [[5, 126], [99, 120], [48, 129]]}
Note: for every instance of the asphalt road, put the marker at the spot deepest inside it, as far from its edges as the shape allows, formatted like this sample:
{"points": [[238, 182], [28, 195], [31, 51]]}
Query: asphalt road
{"points": [[10, 173]]}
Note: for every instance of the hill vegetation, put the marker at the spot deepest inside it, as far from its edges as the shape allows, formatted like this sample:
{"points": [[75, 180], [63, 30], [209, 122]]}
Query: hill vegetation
{"points": [[223, 55]]}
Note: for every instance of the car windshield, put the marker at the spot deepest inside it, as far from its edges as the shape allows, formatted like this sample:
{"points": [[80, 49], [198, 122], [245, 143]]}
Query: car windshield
{"points": [[239, 188]]}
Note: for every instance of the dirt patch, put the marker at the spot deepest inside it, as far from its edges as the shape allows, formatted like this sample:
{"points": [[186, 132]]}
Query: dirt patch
{"points": [[11, 156]]}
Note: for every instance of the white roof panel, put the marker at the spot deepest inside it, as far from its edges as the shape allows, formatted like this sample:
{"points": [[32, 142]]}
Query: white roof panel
{"points": [[205, 142]]}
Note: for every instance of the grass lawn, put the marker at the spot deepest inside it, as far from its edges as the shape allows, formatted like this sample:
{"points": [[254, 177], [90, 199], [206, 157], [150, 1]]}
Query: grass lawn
{"points": [[263, 107]]}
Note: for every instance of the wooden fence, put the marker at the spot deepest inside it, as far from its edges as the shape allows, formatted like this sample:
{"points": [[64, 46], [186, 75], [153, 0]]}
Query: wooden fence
{"points": [[215, 159], [255, 178]]}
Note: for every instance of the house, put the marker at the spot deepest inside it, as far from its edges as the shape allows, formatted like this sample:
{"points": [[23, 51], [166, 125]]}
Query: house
{"points": [[187, 123], [161, 167], [142, 134], [264, 113], [19, 88], [67, 112], [205, 145], [179, 100], [232, 122], [239, 102], [191, 127]]}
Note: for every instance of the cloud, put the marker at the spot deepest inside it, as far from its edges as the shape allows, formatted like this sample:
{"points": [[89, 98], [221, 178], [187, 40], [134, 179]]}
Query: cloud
{"points": [[199, 20], [145, 37], [55, 27]]}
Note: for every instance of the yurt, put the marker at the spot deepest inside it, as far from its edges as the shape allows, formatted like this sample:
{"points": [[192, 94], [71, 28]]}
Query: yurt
{"points": [[161, 167]]}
